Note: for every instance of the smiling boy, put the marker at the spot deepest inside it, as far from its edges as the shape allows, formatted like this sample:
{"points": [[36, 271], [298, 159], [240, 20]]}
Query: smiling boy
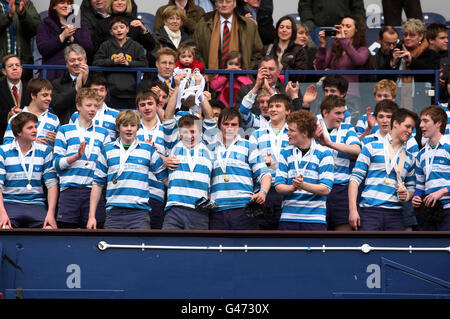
{"points": [[433, 167], [341, 139], [40, 91], [76, 151], [25, 167], [388, 170], [270, 141], [123, 167]]}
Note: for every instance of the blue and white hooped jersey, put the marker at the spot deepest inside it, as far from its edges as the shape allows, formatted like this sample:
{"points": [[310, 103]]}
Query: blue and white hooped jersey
{"points": [[47, 122], [347, 135], [317, 167], [130, 188], [172, 136], [411, 144], [238, 169], [380, 188], [361, 125], [68, 140], [433, 170], [263, 138], [447, 127], [156, 134], [250, 120], [191, 179], [106, 118], [14, 179]]}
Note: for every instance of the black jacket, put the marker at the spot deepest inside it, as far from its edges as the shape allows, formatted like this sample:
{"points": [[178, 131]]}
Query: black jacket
{"points": [[63, 98], [7, 102]]}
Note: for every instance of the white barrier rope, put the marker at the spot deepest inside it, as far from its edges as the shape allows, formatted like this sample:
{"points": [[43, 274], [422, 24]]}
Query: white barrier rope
{"points": [[365, 248]]}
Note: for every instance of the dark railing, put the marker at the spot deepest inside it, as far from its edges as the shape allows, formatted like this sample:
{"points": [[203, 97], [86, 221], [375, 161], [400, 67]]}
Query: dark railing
{"points": [[233, 73]]}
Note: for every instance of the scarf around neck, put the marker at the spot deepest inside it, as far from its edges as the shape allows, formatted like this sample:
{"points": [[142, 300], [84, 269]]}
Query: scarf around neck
{"points": [[214, 45]]}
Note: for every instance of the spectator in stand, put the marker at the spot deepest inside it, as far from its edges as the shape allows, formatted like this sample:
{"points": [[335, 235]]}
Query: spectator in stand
{"points": [[290, 56], [138, 32], [54, 34], [18, 26], [165, 63], [12, 71], [93, 11], [267, 78], [190, 14], [221, 82], [225, 21], [261, 15], [388, 39], [414, 53], [121, 51], [186, 55], [392, 11], [349, 52], [171, 34], [303, 38], [323, 13], [65, 87], [437, 36]]}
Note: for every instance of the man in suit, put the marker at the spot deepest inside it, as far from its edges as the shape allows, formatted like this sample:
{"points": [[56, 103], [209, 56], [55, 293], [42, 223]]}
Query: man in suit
{"points": [[65, 88], [165, 63], [224, 30], [12, 90]]}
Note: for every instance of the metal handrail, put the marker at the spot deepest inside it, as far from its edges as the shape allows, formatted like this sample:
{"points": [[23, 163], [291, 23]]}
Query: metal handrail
{"points": [[233, 73]]}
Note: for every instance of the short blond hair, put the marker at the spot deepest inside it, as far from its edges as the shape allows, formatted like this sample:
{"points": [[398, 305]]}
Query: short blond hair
{"points": [[126, 117], [415, 25], [387, 85]]}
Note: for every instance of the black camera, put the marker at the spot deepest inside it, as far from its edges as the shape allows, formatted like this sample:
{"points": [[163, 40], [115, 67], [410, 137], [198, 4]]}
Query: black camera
{"points": [[254, 210], [330, 33], [205, 205], [431, 215]]}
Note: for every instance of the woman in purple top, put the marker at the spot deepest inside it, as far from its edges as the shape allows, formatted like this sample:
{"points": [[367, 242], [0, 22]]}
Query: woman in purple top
{"points": [[54, 34], [349, 52]]}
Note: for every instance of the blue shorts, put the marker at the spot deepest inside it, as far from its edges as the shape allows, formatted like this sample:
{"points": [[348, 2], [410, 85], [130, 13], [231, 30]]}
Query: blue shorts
{"points": [[26, 215], [156, 214], [301, 226], [232, 219], [178, 217], [127, 218], [73, 206], [337, 206], [379, 218]]}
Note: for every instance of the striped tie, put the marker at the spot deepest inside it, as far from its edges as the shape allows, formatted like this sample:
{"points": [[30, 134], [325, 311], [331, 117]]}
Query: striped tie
{"points": [[16, 96], [225, 44]]}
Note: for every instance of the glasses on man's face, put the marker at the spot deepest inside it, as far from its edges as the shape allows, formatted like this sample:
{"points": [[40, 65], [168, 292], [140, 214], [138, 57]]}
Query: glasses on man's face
{"points": [[389, 44]]}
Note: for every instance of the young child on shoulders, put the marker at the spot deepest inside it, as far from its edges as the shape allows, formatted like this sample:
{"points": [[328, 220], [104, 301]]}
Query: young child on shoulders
{"points": [[186, 59]]}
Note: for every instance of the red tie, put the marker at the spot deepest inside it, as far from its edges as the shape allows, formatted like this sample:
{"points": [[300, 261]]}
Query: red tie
{"points": [[225, 44], [16, 96]]}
